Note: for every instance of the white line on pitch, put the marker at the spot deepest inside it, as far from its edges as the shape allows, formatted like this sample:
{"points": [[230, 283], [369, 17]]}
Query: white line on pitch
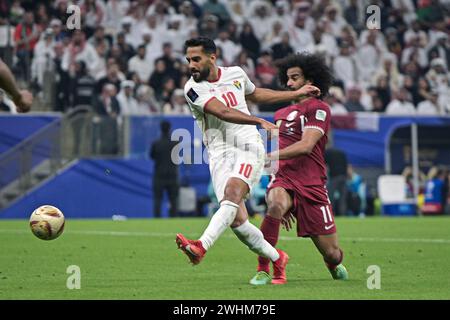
{"points": [[284, 238]]}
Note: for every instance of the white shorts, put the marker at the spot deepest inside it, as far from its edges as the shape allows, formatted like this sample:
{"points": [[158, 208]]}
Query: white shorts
{"points": [[245, 163]]}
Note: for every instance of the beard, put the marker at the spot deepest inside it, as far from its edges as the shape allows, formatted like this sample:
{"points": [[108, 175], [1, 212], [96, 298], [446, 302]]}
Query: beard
{"points": [[200, 75]]}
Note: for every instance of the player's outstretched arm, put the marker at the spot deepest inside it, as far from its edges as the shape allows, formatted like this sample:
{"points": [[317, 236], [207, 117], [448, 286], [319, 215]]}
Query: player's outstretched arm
{"points": [[22, 98], [221, 111], [303, 147], [268, 96]]}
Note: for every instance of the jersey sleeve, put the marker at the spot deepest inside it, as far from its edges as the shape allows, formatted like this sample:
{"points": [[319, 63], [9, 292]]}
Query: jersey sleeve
{"points": [[249, 86], [319, 117], [197, 95]]}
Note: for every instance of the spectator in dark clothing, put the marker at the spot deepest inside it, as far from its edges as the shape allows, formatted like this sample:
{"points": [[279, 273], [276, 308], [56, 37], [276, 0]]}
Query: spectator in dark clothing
{"points": [[106, 104], [352, 15], [377, 102], [353, 103], [112, 77], [250, 42], [282, 48], [119, 56], [337, 185], [83, 85], [412, 85], [383, 91], [62, 88], [165, 177], [232, 29], [172, 64], [106, 134], [165, 94], [160, 73], [81, 92]]}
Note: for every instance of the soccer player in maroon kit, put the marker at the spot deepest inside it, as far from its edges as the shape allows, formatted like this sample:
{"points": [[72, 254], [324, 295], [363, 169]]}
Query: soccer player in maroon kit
{"points": [[298, 189]]}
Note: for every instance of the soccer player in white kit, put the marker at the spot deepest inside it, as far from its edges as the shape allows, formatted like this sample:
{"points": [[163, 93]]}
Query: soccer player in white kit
{"points": [[217, 98]]}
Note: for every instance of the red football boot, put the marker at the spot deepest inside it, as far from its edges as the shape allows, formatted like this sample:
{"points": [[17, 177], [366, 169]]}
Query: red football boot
{"points": [[192, 248], [279, 268]]}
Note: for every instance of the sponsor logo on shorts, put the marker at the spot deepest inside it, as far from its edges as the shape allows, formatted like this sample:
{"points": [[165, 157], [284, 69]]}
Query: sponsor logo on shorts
{"points": [[329, 227]]}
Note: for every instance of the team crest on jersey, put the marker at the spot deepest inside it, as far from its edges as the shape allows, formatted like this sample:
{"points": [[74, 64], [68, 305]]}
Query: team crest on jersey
{"points": [[291, 116], [321, 115], [237, 84]]}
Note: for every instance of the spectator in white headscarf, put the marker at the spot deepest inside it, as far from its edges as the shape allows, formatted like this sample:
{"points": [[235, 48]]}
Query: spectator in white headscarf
{"points": [[260, 18], [128, 104], [431, 105], [401, 105]]}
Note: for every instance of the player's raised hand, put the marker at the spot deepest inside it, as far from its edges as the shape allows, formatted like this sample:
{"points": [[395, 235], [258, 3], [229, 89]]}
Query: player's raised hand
{"points": [[287, 221], [308, 90], [272, 129], [23, 101]]}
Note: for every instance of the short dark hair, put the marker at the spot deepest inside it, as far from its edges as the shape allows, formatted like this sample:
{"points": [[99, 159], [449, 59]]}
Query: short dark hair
{"points": [[207, 44], [82, 66], [313, 66]]}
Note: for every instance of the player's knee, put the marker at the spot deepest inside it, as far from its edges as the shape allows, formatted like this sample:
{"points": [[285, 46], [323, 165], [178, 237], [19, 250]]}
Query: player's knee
{"points": [[233, 193], [276, 209], [235, 190]]}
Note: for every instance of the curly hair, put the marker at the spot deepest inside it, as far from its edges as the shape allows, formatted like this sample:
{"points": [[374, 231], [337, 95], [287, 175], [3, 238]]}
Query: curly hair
{"points": [[313, 66]]}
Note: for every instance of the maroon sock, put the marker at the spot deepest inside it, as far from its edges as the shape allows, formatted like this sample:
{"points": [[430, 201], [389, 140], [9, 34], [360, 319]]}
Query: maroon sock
{"points": [[270, 228], [331, 265]]}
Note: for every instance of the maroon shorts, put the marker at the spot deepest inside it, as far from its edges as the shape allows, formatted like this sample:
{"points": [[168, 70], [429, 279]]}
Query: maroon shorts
{"points": [[311, 207]]}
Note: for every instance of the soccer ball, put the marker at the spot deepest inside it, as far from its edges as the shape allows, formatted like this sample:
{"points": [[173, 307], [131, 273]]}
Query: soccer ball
{"points": [[47, 222]]}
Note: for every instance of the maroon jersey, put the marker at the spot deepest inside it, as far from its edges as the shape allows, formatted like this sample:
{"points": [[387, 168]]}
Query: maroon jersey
{"points": [[306, 170]]}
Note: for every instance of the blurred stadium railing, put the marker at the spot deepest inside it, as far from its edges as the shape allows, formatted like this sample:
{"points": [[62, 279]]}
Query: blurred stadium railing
{"points": [[78, 134]]}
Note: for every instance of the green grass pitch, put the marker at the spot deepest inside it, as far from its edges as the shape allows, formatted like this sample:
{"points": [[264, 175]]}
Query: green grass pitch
{"points": [[138, 259]]}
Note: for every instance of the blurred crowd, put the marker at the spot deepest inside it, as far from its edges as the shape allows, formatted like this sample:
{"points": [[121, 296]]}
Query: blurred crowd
{"points": [[127, 58], [434, 189]]}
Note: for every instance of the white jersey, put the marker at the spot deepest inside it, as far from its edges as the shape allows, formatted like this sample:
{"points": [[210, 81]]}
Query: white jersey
{"points": [[230, 88], [235, 150]]}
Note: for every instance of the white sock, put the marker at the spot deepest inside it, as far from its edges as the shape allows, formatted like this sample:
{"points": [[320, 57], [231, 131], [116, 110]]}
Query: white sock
{"points": [[254, 239], [220, 221]]}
